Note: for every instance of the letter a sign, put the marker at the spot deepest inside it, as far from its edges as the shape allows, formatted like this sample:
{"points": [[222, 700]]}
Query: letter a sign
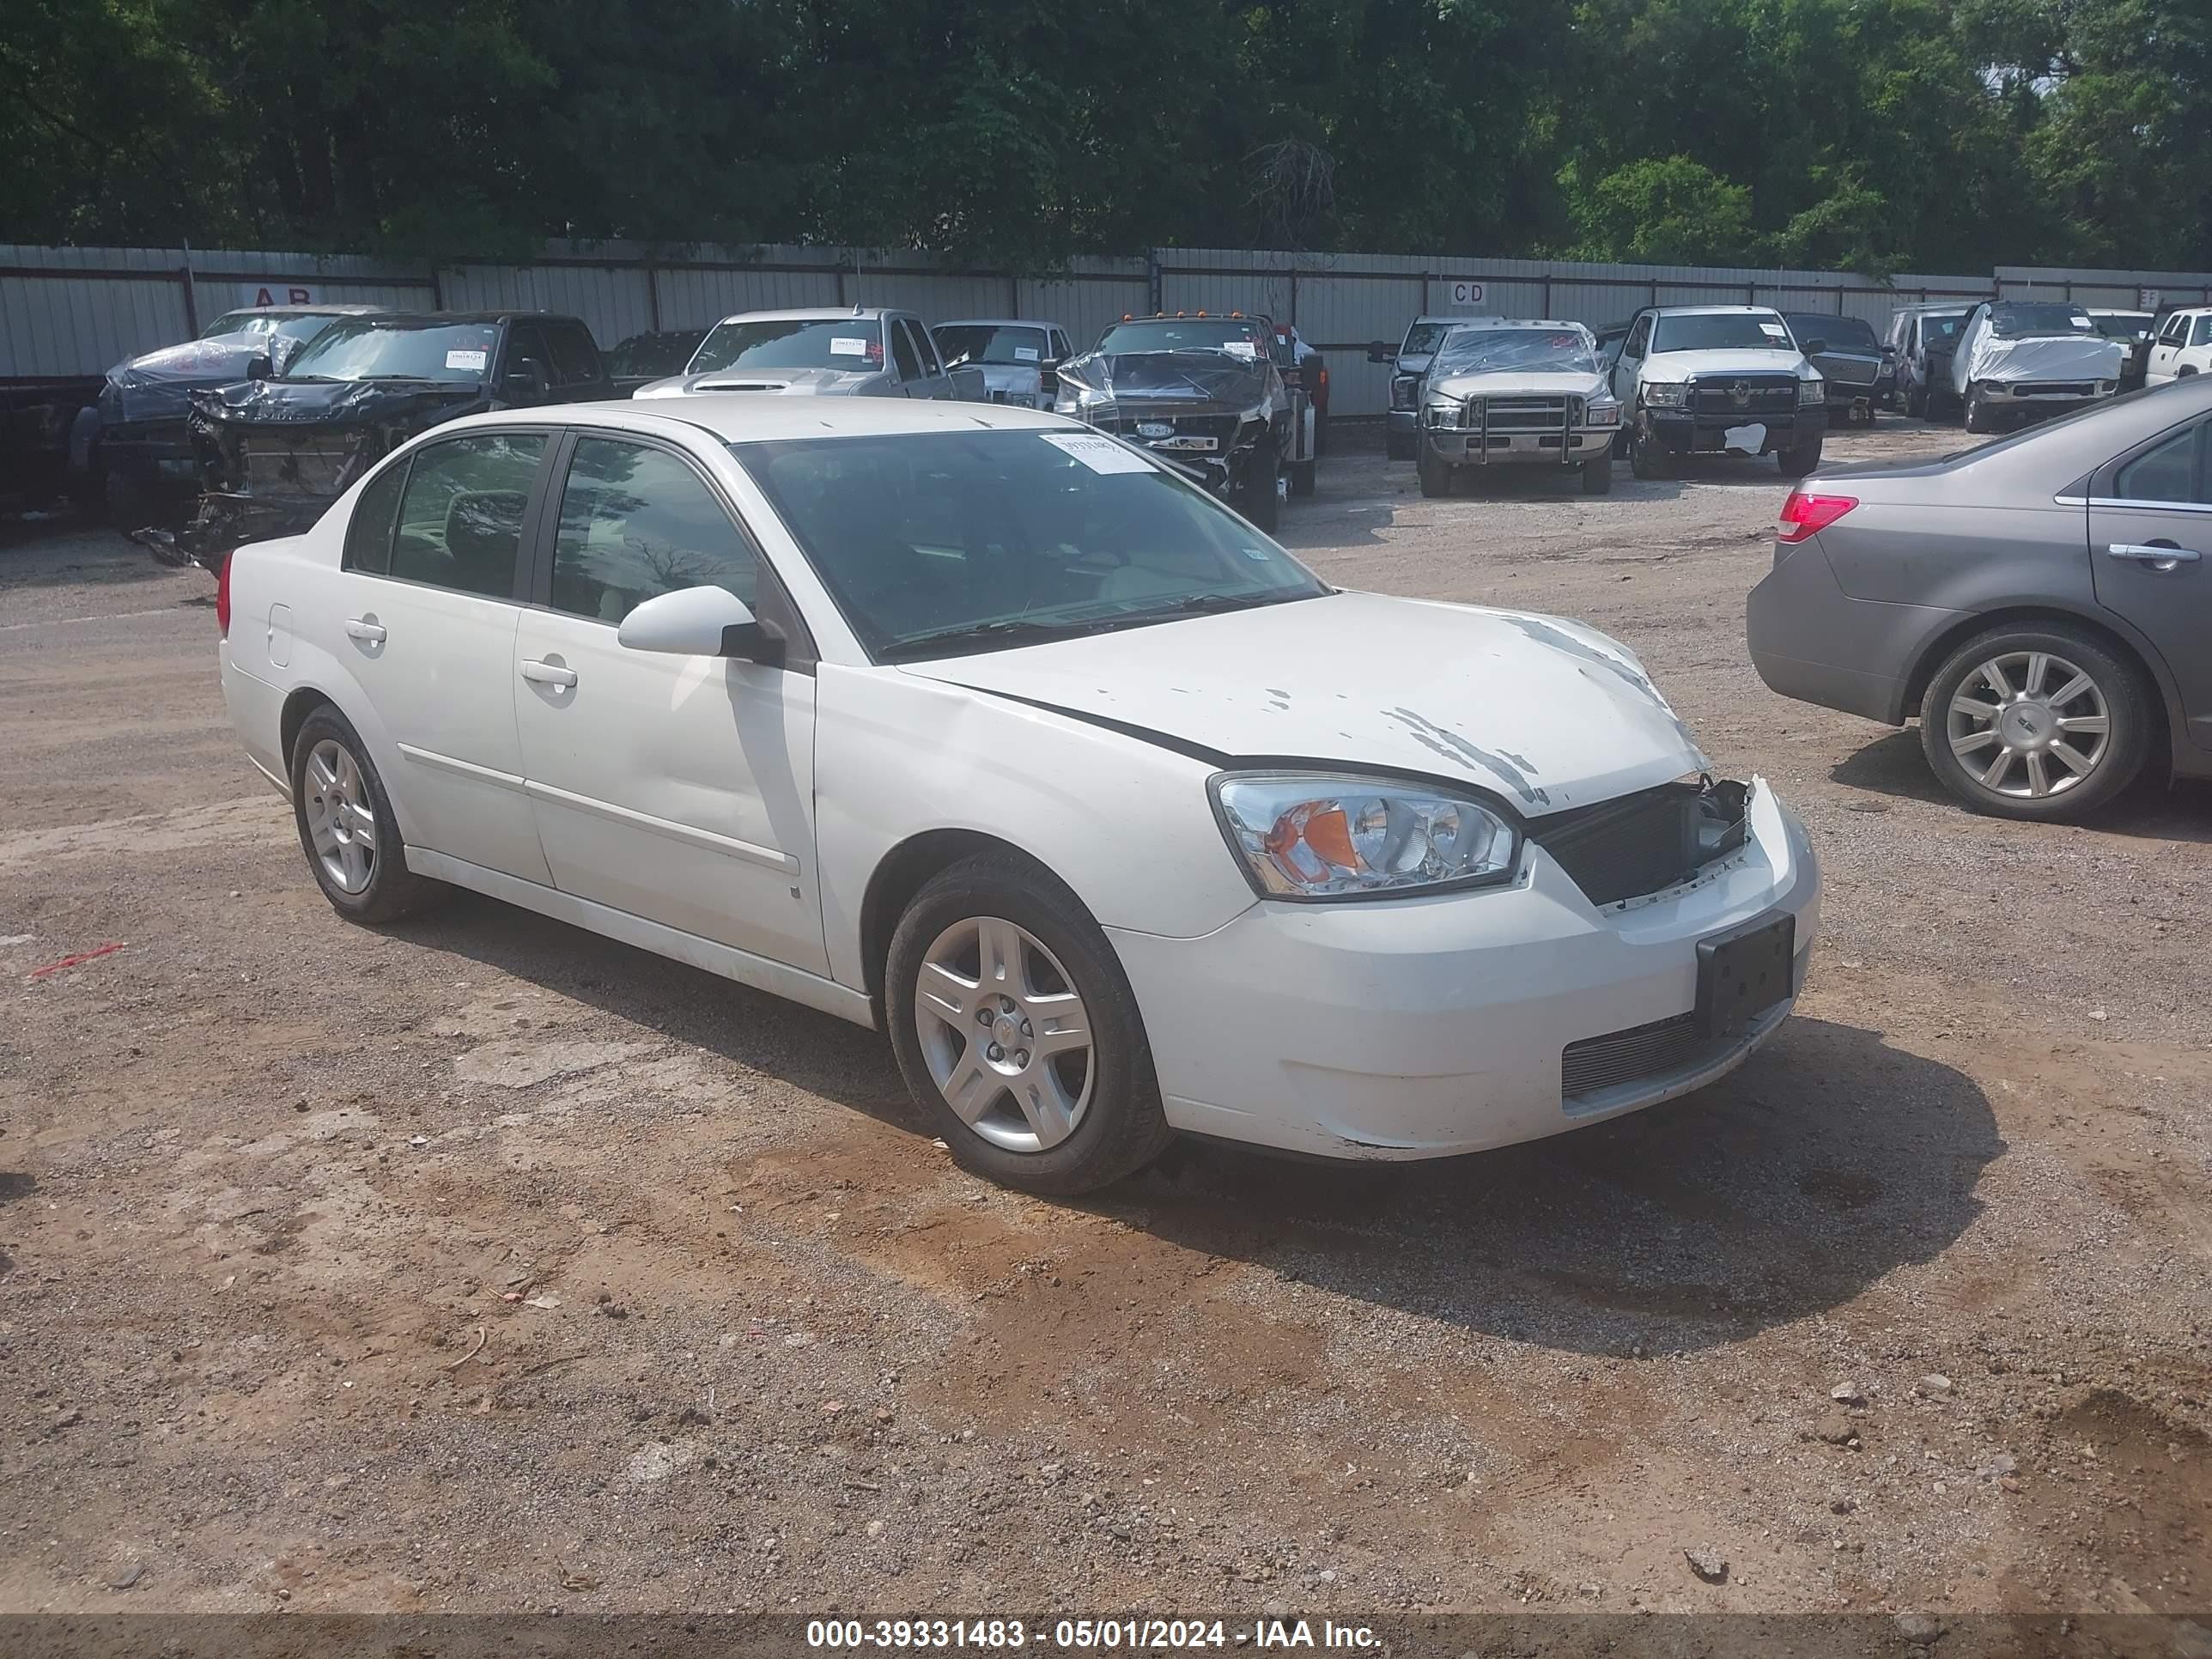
{"points": [[279, 293]]}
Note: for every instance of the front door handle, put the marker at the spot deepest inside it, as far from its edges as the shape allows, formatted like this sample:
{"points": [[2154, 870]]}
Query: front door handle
{"points": [[367, 628], [2162, 556], [547, 673]]}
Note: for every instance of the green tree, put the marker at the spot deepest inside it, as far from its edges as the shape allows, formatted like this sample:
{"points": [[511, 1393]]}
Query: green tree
{"points": [[1675, 212]]}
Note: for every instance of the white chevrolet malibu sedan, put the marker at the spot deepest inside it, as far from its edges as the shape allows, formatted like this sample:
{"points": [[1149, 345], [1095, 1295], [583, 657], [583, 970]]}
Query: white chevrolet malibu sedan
{"points": [[981, 728]]}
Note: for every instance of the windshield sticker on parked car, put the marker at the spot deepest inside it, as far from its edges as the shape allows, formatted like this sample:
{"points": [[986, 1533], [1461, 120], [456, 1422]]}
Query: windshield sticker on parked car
{"points": [[1774, 330], [1025, 353], [1101, 454], [1240, 347], [848, 345], [469, 358]]}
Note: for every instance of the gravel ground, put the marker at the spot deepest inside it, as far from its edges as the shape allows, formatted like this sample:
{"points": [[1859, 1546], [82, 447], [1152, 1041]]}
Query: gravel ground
{"points": [[481, 1264]]}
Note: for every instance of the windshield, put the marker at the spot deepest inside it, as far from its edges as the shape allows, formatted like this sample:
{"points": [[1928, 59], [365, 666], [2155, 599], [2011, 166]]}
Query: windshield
{"points": [[654, 354], [1837, 333], [989, 343], [1940, 333], [1421, 338], [294, 329], [2124, 325], [1722, 331], [855, 344], [1242, 338], [1486, 351], [2019, 322], [934, 543], [365, 349]]}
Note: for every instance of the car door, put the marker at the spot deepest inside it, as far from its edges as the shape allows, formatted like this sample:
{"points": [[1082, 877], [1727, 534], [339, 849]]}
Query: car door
{"points": [[679, 789], [1628, 367], [430, 602], [2166, 349], [906, 362], [578, 371], [2196, 354], [1962, 354], [2150, 553], [525, 351], [932, 365]]}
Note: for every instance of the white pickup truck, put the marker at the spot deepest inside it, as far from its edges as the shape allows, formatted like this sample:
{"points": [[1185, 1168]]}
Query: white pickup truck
{"points": [[1718, 380], [823, 352]]}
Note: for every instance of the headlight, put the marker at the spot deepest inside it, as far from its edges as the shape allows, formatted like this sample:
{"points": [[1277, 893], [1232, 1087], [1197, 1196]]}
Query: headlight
{"points": [[1444, 411], [1074, 399], [1811, 393], [1318, 836], [1602, 411], [1402, 392], [1664, 394]]}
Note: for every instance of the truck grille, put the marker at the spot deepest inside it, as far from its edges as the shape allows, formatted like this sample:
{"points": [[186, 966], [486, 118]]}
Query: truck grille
{"points": [[2053, 389], [305, 463], [1221, 428], [1744, 394], [1644, 842], [1520, 416], [1641, 1051]]}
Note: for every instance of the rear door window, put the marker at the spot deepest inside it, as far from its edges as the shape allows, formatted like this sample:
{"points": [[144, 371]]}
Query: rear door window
{"points": [[902, 353], [460, 515]]}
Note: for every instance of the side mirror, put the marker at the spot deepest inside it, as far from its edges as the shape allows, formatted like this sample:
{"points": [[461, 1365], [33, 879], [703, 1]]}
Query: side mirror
{"points": [[1378, 351], [260, 367], [701, 621], [1813, 348], [526, 380]]}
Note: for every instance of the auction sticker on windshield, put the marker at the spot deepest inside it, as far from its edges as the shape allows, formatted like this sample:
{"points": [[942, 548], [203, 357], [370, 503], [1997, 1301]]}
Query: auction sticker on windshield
{"points": [[1098, 453], [471, 359], [1774, 330], [846, 345]]}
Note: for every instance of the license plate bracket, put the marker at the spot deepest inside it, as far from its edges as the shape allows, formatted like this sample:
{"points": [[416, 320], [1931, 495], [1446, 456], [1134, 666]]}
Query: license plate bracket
{"points": [[1743, 972]]}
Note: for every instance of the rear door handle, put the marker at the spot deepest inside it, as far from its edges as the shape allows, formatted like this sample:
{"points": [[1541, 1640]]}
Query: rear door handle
{"points": [[2160, 556], [547, 673], [362, 627]]}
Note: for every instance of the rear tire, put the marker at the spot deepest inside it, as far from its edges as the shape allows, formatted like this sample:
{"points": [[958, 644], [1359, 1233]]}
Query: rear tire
{"points": [[1963, 746], [123, 504], [1057, 951], [361, 866], [1597, 476]]}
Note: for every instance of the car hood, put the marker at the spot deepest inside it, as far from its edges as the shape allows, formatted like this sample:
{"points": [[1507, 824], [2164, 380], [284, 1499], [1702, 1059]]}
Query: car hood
{"points": [[1547, 714], [158, 385], [1517, 382], [790, 382], [2047, 357], [1681, 364]]}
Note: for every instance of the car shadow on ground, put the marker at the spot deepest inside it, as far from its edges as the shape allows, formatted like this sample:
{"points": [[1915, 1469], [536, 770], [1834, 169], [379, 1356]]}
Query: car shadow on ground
{"points": [[1828, 1161], [2153, 809]]}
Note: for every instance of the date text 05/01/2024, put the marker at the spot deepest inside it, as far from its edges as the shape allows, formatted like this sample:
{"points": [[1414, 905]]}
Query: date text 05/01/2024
{"points": [[1131, 1634]]}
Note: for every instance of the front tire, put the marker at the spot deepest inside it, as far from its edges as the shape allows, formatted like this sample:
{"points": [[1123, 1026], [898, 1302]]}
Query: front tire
{"points": [[1916, 403], [1017, 1031], [1597, 476], [1397, 447], [1436, 473], [2040, 722], [1255, 497], [1980, 417], [346, 825], [1797, 462], [1302, 479], [1646, 459]]}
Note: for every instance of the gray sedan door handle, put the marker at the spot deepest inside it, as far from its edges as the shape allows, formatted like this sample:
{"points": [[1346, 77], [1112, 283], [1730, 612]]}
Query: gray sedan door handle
{"points": [[360, 627], [547, 673], [2159, 558]]}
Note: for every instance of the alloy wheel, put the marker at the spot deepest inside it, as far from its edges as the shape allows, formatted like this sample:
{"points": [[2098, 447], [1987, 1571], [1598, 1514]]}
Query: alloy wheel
{"points": [[2029, 724], [340, 820], [1004, 1034]]}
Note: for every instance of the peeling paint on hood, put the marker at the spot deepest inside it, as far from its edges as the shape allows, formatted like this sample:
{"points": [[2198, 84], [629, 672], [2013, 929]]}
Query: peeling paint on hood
{"points": [[1546, 713]]}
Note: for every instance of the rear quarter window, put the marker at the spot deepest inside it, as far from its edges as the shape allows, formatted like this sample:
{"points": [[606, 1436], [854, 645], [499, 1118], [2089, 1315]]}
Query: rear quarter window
{"points": [[375, 515]]}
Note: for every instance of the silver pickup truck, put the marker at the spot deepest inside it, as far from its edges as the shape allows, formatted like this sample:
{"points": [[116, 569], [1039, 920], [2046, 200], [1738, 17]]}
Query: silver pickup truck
{"points": [[860, 351]]}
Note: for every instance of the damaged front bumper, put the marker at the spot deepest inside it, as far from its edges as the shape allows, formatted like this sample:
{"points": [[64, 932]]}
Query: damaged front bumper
{"points": [[1422, 1027]]}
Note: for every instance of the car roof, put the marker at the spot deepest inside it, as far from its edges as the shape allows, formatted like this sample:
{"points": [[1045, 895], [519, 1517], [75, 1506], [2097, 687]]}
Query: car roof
{"points": [[1520, 322], [996, 322], [735, 417], [818, 315], [447, 319], [302, 311], [1716, 310]]}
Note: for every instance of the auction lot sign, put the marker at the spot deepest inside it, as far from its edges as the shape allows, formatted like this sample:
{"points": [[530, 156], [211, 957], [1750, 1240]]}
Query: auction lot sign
{"points": [[277, 293]]}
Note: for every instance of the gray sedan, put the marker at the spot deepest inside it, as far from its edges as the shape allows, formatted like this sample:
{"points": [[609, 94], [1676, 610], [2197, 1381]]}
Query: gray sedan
{"points": [[2043, 603]]}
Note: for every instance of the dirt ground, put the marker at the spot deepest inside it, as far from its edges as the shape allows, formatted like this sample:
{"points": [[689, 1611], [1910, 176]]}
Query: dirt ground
{"points": [[482, 1264]]}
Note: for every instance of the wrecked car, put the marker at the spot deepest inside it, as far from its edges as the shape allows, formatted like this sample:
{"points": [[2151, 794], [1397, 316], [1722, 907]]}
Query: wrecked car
{"points": [[1117, 820], [859, 352], [1507, 393], [135, 456], [1206, 393], [2018, 360], [1020, 360], [273, 453]]}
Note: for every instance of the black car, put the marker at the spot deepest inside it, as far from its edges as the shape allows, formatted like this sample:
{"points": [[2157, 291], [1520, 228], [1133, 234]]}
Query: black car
{"points": [[273, 452], [1860, 370], [644, 358]]}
